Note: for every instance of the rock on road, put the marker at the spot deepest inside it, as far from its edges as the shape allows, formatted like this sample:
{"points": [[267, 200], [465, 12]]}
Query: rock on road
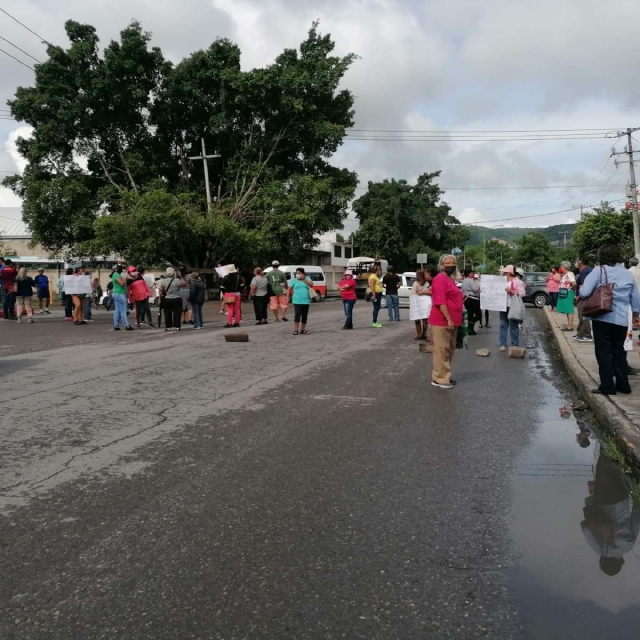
{"points": [[175, 486]]}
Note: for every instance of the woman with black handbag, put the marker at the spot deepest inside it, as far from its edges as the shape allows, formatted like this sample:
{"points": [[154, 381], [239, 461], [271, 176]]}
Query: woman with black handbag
{"points": [[608, 293]]}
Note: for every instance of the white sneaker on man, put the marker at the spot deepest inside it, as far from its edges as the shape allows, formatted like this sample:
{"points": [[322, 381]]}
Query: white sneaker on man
{"points": [[441, 386]]}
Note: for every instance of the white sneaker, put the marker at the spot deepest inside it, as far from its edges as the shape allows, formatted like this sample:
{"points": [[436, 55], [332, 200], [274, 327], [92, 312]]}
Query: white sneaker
{"points": [[41, 312], [441, 386], [19, 320], [503, 348]]}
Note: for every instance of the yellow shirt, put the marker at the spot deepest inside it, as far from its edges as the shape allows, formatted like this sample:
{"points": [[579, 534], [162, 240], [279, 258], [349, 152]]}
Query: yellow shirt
{"points": [[374, 283]]}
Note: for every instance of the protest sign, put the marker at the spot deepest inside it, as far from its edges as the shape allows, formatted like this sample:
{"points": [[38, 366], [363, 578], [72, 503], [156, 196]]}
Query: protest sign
{"points": [[493, 296], [77, 285]]}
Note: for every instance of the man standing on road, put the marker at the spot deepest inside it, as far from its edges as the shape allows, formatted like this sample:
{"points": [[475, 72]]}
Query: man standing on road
{"points": [[392, 281], [583, 333], [446, 317], [471, 291], [280, 298], [8, 276], [42, 289]]}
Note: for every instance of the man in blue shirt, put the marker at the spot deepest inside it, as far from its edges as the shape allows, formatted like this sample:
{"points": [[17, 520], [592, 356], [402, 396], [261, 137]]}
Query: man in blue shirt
{"points": [[583, 333], [42, 287]]}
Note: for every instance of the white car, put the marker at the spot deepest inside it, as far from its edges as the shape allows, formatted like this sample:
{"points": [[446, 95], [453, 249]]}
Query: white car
{"points": [[404, 290]]}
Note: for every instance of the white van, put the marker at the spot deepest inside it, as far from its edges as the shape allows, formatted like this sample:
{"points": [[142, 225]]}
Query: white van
{"points": [[315, 274]]}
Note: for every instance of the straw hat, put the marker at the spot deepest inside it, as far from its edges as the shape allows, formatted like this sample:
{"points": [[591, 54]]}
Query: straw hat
{"points": [[231, 268]]}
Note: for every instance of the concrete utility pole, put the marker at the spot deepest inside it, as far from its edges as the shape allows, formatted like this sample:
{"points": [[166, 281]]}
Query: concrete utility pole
{"points": [[204, 157], [633, 187], [564, 238]]}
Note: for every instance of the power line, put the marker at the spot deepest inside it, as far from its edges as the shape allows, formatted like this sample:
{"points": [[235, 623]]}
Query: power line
{"points": [[534, 187], [478, 130], [530, 139], [19, 49], [25, 26], [24, 64]]}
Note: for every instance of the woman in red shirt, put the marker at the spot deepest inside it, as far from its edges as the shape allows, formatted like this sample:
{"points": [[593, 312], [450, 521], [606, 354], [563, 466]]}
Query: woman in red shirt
{"points": [[445, 318], [347, 288]]}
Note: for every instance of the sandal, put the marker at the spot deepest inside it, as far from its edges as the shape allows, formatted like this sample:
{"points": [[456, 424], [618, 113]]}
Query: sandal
{"points": [[304, 333], [295, 333]]}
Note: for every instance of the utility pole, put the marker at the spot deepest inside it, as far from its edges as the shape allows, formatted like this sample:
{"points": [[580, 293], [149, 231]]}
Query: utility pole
{"points": [[204, 157], [633, 187], [564, 238]]}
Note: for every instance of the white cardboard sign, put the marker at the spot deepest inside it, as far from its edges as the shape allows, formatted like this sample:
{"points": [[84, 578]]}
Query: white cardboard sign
{"points": [[77, 285], [493, 296]]}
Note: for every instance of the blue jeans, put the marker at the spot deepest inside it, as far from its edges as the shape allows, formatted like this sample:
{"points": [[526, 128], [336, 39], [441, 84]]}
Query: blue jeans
{"points": [[120, 312], [393, 307], [197, 315], [512, 327], [87, 308], [9, 304], [376, 307], [348, 313]]}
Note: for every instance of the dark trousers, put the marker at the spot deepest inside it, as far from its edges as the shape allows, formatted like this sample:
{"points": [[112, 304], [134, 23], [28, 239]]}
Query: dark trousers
{"points": [[473, 310], [197, 314], [612, 359], [376, 307], [9, 305], [260, 306], [554, 299], [348, 313], [143, 310], [68, 306], [301, 313], [584, 325], [172, 312]]}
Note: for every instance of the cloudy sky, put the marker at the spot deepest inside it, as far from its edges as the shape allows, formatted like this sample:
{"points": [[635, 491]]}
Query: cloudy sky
{"points": [[425, 65]]}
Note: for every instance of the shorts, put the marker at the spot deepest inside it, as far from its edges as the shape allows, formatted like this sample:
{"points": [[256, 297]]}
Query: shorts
{"points": [[279, 301], [43, 295]]}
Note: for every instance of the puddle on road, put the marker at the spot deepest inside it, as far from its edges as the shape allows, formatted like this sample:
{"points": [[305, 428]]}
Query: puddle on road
{"points": [[574, 527]]}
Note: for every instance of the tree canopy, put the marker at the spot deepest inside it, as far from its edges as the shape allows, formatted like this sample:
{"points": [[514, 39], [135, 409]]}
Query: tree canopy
{"points": [[604, 226], [108, 163], [399, 220]]}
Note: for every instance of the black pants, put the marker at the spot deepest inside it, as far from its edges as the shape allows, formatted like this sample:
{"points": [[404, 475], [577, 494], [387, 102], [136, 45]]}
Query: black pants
{"points": [[301, 313], [143, 310], [172, 312], [472, 305], [68, 306], [260, 306], [611, 356], [486, 317]]}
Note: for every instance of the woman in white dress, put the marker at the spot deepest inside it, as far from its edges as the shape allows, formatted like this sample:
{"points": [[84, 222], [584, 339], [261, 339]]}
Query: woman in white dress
{"points": [[420, 301]]}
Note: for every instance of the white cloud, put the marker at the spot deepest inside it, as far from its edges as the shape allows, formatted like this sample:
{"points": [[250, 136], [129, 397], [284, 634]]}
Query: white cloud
{"points": [[469, 215]]}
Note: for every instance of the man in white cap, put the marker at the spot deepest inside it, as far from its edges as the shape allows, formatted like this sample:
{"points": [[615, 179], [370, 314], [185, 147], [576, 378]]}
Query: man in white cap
{"points": [[279, 300]]}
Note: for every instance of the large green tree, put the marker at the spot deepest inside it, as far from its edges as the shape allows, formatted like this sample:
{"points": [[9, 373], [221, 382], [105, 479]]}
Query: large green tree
{"points": [[604, 226], [109, 166], [399, 220], [535, 251]]}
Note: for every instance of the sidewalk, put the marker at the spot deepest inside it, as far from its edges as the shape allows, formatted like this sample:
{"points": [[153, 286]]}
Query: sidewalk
{"points": [[619, 414]]}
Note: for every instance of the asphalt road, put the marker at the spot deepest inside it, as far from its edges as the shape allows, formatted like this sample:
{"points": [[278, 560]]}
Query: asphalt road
{"points": [[176, 486]]}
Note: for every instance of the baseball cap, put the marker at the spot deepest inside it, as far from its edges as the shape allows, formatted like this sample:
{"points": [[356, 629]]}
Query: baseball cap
{"points": [[131, 269], [275, 263]]}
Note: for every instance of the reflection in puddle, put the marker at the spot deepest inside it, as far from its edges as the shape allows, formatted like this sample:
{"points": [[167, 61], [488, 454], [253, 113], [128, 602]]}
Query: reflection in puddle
{"points": [[574, 528]]}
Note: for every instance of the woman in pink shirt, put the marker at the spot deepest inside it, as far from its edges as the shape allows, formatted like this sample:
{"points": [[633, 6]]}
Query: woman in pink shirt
{"points": [[515, 287], [347, 289], [444, 319], [553, 286]]}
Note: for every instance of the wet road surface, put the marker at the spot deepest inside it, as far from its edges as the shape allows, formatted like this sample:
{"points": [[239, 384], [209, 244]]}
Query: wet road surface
{"points": [[308, 487]]}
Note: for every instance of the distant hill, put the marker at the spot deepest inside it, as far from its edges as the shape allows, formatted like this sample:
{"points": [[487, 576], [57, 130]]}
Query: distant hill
{"points": [[513, 234]]}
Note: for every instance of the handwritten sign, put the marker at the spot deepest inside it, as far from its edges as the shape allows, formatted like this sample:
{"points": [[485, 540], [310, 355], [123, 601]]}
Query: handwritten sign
{"points": [[493, 296], [77, 285]]}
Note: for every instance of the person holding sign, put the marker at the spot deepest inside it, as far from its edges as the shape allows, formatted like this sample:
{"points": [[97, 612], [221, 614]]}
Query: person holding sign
{"points": [[78, 296], [508, 322], [445, 318]]}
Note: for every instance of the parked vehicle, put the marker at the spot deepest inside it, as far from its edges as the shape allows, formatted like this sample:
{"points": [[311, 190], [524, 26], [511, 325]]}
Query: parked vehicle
{"points": [[360, 269], [314, 273], [404, 290], [536, 285]]}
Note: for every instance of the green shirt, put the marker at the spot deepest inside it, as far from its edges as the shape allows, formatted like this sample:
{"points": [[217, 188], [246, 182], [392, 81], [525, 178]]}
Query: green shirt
{"points": [[277, 280], [118, 288]]}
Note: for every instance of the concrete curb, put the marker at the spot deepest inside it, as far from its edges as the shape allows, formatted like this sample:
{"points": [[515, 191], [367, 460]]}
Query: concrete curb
{"points": [[609, 414]]}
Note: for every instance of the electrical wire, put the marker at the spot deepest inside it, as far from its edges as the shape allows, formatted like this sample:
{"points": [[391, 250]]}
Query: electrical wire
{"points": [[19, 49], [538, 139], [24, 64], [25, 26], [612, 129]]}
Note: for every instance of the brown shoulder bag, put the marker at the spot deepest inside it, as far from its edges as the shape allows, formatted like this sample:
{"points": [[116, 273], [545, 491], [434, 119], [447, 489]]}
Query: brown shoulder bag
{"points": [[601, 300]]}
